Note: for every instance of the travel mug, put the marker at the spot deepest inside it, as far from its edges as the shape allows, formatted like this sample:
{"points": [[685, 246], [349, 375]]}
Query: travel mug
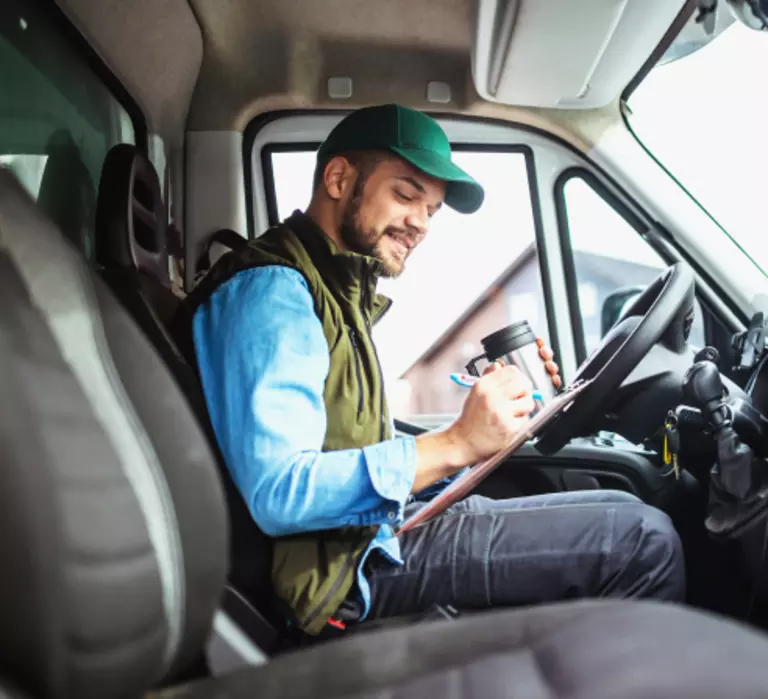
{"points": [[516, 344]]}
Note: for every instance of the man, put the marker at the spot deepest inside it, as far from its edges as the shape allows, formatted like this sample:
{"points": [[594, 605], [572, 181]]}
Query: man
{"points": [[282, 337]]}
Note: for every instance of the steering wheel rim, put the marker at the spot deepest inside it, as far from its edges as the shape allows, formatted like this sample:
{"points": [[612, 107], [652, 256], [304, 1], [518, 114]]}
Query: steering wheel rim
{"points": [[653, 314]]}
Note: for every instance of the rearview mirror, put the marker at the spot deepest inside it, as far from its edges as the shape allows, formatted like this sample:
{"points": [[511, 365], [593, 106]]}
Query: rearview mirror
{"points": [[615, 304]]}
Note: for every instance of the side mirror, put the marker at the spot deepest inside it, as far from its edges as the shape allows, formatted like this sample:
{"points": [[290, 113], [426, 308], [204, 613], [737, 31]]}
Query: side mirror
{"points": [[615, 304]]}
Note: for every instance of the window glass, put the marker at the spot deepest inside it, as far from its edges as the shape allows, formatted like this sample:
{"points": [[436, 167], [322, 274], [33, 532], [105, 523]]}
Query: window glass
{"points": [[703, 117], [471, 276], [57, 119], [611, 260]]}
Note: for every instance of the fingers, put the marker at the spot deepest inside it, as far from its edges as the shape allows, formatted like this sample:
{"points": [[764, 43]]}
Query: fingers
{"points": [[552, 368], [511, 376], [522, 406], [514, 384], [554, 371], [501, 374], [492, 367]]}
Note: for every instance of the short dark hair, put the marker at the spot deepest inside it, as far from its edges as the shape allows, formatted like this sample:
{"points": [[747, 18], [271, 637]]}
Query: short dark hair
{"points": [[364, 161]]}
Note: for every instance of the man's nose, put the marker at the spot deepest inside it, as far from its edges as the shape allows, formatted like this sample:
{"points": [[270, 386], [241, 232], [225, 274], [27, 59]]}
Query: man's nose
{"points": [[418, 222]]}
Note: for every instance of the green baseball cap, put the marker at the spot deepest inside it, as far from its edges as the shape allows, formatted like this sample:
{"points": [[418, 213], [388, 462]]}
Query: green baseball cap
{"points": [[416, 138]]}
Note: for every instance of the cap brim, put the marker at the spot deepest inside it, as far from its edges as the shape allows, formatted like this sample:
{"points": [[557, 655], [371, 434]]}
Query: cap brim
{"points": [[462, 192]]}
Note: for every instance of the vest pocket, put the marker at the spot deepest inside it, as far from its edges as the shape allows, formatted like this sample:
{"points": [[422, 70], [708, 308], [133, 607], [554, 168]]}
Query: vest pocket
{"points": [[358, 370]]}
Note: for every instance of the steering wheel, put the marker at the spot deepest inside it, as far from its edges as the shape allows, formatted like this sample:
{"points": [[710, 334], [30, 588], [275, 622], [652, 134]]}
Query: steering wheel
{"points": [[662, 313]]}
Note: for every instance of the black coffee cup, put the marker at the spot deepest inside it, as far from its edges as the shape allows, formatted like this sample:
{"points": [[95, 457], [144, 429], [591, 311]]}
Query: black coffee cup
{"points": [[516, 345]]}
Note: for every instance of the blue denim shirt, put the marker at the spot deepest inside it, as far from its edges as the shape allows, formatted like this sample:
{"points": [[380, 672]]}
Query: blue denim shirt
{"points": [[263, 362]]}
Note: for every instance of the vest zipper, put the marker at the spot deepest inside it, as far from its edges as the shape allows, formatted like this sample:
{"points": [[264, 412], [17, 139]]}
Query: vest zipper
{"points": [[382, 420], [358, 371], [363, 304], [348, 563]]}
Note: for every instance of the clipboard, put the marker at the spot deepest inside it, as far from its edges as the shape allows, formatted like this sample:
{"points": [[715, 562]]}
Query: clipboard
{"points": [[467, 482]]}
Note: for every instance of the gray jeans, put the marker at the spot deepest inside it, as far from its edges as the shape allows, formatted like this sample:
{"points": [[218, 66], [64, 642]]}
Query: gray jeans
{"points": [[504, 553]]}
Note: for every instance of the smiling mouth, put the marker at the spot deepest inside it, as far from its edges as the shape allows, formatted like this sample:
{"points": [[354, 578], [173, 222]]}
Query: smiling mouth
{"points": [[403, 244]]}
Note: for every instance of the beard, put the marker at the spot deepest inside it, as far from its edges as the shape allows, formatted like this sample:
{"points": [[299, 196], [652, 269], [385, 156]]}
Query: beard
{"points": [[369, 242]]}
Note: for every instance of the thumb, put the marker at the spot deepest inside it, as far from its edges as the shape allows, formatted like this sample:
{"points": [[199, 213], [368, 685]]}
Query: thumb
{"points": [[491, 368]]}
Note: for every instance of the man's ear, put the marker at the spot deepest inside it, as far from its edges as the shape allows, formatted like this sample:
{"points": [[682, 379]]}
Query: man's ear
{"points": [[339, 177]]}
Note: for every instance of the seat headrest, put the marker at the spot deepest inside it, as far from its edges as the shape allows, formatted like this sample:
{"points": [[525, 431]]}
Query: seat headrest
{"points": [[130, 215], [113, 529]]}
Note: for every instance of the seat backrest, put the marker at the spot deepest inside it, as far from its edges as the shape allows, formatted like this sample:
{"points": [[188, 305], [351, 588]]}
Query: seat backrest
{"points": [[131, 235], [131, 248], [113, 530]]}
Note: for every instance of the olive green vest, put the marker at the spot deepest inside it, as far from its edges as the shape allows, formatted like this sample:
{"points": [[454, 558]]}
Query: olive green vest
{"points": [[313, 573]]}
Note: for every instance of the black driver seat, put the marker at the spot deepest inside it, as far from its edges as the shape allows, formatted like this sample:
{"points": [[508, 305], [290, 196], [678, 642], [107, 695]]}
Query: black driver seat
{"points": [[133, 255], [131, 246]]}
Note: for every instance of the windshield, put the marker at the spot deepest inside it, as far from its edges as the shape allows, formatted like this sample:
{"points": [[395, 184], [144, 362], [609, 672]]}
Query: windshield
{"points": [[703, 117]]}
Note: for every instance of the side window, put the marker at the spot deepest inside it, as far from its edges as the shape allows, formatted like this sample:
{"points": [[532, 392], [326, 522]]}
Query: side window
{"points": [[57, 119], [612, 262], [471, 276]]}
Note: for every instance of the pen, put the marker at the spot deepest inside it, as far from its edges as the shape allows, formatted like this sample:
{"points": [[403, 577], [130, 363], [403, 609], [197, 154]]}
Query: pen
{"points": [[468, 381]]}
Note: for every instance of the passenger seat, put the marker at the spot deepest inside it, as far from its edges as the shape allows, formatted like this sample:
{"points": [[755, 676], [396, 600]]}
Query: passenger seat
{"points": [[113, 531]]}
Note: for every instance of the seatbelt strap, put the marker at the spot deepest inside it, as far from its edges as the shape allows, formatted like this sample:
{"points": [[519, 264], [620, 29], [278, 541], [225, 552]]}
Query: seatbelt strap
{"points": [[226, 237]]}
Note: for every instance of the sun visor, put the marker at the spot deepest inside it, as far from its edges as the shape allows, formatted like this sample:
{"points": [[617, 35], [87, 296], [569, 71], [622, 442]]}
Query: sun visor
{"points": [[561, 53]]}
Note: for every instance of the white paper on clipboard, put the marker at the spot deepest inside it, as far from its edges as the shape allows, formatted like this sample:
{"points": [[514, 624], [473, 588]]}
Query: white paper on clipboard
{"points": [[466, 483]]}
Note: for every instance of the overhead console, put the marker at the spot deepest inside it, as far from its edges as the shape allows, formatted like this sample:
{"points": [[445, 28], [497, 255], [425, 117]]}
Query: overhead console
{"points": [[564, 54]]}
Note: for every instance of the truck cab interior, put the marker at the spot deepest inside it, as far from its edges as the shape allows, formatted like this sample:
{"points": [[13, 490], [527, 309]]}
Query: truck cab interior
{"points": [[620, 147]]}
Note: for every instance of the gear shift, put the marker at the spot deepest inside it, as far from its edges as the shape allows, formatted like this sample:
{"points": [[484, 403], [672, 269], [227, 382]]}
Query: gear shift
{"points": [[738, 497], [703, 387]]}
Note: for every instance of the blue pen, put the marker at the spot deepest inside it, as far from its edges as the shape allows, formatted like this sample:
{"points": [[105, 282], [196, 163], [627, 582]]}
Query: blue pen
{"points": [[468, 381]]}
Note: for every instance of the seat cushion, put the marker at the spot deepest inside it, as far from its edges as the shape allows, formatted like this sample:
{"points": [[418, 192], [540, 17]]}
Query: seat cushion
{"points": [[577, 650]]}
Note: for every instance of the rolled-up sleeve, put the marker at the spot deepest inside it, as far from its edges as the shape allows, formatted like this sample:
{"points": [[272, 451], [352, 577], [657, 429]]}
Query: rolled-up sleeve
{"points": [[263, 362]]}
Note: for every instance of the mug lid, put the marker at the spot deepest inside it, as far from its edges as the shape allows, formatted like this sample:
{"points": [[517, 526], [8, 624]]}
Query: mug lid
{"points": [[508, 339]]}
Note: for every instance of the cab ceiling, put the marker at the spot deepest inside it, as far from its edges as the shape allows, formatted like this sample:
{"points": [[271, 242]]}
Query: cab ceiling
{"points": [[216, 64], [280, 53], [155, 49]]}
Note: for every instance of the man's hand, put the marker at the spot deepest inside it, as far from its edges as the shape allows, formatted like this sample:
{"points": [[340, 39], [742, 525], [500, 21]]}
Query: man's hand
{"points": [[547, 354], [494, 411]]}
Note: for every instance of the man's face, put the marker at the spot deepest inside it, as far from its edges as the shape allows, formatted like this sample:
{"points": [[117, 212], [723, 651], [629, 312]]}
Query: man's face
{"points": [[389, 211]]}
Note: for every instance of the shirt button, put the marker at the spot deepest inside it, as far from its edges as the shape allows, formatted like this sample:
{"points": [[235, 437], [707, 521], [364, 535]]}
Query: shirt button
{"points": [[390, 515]]}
